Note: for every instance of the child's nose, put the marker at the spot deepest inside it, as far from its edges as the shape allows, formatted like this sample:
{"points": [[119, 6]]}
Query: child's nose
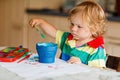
{"points": [[74, 28]]}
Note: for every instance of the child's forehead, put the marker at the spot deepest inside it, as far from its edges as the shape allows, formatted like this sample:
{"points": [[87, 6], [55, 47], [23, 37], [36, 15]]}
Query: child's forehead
{"points": [[79, 20], [78, 16]]}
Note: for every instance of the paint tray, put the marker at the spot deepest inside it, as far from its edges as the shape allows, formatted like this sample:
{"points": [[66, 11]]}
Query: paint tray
{"points": [[11, 54]]}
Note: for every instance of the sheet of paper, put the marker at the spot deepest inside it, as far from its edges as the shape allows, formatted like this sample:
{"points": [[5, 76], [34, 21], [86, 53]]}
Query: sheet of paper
{"points": [[33, 69]]}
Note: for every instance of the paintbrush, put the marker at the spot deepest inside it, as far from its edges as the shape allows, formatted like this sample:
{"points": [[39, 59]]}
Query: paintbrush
{"points": [[27, 56], [40, 31]]}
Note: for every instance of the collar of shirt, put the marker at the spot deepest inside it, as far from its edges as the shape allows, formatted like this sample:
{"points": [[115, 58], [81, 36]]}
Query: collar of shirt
{"points": [[94, 43]]}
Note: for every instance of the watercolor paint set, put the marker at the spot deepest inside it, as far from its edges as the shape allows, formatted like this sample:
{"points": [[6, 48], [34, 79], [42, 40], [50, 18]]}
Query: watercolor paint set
{"points": [[11, 54]]}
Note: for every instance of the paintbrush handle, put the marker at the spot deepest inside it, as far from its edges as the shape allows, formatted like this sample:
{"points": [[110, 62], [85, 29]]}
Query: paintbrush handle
{"points": [[24, 58], [37, 28], [40, 31]]}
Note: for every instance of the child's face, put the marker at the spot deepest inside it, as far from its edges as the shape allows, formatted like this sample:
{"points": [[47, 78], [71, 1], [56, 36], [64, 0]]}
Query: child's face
{"points": [[79, 28]]}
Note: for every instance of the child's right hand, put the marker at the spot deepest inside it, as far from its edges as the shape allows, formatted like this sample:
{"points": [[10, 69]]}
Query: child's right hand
{"points": [[34, 22], [44, 25]]}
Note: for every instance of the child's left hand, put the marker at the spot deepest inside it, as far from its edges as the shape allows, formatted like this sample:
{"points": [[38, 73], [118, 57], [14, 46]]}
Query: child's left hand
{"points": [[74, 60]]}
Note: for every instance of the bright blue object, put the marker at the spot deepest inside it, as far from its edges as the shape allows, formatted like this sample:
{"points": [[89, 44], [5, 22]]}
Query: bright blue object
{"points": [[65, 57], [46, 52]]}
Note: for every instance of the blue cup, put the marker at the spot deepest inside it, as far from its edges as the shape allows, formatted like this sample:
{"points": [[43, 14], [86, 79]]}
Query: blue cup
{"points": [[46, 52]]}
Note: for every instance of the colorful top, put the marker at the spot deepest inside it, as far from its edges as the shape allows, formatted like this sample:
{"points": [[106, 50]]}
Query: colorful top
{"points": [[91, 53]]}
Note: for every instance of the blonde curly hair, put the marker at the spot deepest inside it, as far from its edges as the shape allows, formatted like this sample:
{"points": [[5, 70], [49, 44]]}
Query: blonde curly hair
{"points": [[93, 14]]}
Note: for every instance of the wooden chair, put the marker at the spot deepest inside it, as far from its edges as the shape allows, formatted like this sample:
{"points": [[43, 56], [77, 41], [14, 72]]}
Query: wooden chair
{"points": [[113, 62]]}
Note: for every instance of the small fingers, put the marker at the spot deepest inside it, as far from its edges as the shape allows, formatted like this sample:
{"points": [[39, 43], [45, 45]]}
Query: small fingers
{"points": [[74, 60], [33, 22]]}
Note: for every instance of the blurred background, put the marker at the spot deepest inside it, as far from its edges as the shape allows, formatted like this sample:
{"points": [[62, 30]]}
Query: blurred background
{"points": [[15, 16]]}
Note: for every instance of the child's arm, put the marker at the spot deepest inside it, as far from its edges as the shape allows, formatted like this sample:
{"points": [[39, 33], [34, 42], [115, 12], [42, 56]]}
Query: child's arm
{"points": [[45, 26]]}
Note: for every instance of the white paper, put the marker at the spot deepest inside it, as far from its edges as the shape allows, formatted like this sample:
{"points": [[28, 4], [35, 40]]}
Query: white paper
{"points": [[34, 70]]}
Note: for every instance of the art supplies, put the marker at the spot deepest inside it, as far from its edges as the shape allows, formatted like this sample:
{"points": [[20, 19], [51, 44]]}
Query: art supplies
{"points": [[40, 32], [27, 56], [10, 54], [46, 51]]}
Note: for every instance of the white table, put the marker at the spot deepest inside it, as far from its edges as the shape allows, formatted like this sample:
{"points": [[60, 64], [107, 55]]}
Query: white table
{"points": [[60, 70]]}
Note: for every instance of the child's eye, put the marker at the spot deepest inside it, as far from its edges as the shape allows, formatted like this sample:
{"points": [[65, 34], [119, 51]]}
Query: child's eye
{"points": [[79, 26], [72, 24]]}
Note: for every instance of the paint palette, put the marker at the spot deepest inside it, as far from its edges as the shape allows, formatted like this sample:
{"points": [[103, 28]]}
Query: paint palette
{"points": [[11, 54]]}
